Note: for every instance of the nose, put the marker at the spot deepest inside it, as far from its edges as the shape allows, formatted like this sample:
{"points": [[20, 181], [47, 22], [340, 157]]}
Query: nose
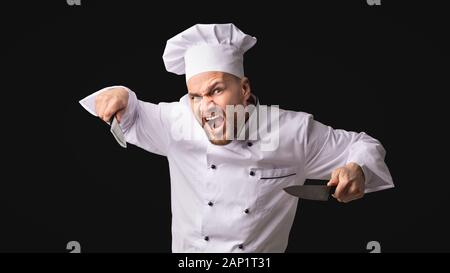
{"points": [[206, 104]]}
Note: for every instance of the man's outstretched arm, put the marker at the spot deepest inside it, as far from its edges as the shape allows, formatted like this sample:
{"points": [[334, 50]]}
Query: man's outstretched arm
{"points": [[141, 122]]}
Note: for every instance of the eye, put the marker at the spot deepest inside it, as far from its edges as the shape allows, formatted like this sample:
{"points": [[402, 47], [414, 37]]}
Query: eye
{"points": [[217, 91]]}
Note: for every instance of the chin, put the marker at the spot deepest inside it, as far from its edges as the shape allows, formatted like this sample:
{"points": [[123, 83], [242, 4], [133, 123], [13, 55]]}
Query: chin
{"points": [[220, 142]]}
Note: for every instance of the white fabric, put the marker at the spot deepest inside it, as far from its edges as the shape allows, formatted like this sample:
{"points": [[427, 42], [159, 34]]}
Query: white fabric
{"points": [[307, 150], [207, 47]]}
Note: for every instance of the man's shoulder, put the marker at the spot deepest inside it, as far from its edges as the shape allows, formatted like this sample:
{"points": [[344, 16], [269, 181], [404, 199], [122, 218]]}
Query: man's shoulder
{"points": [[289, 123], [289, 116]]}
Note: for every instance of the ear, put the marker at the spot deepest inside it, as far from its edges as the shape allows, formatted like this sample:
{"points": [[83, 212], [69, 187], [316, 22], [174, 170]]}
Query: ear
{"points": [[246, 89]]}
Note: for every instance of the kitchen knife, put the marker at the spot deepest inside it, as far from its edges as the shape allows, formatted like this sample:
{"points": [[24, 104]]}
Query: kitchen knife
{"points": [[117, 132], [311, 192]]}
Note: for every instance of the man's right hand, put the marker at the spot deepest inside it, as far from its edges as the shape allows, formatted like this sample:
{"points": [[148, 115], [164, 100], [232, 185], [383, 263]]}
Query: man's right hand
{"points": [[111, 102]]}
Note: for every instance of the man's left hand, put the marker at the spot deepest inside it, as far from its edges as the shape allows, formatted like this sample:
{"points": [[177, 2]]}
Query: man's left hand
{"points": [[350, 182]]}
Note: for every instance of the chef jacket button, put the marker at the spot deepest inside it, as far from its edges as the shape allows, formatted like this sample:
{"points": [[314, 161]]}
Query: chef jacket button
{"points": [[249, 144], [246, 211], [213, 166], [210, 203], [252, 173], [206, 238], [241, 246]]}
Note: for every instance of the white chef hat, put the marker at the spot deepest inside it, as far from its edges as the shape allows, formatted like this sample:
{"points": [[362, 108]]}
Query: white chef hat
{"points": [[207, 47]]}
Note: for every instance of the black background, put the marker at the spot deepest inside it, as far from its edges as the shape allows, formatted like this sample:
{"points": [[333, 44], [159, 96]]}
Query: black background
{"points": [[379, 69]]}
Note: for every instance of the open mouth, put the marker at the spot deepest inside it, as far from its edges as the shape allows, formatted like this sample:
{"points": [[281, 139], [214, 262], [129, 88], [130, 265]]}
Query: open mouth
{"points": [[213, 122]]}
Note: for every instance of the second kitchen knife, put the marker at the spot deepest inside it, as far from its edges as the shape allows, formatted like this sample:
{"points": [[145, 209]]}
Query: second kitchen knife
{"points": [[117, 132], [311, 192]]}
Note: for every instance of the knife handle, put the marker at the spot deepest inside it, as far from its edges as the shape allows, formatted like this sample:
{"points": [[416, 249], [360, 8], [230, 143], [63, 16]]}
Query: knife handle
{"points": [[111, 120], [332, 189]]}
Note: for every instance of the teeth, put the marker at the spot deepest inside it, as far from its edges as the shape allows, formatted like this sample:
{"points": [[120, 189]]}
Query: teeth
{"points": [[211, 118]]}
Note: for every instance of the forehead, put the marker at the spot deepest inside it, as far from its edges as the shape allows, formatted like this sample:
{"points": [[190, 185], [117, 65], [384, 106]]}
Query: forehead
{"points": [[204, 80]]}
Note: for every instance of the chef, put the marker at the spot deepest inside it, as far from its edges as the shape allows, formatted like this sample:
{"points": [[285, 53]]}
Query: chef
{"points": [[230, 157]]}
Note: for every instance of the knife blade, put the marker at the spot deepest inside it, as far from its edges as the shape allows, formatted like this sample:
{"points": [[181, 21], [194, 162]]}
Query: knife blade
{"points": [[117, 132], [311, 192]]}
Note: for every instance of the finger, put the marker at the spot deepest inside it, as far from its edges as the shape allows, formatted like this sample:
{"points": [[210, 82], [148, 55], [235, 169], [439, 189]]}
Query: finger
{"points": [[119, 115], [112, 109], [99, 105], [334, 178], [340, 192], [342, 188], [109, 112], [101, 108], [350, 198], [355, 192]]}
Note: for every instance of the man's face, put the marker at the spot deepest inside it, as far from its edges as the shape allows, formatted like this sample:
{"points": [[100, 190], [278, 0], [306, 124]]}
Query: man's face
{"points": [[209, 95]]}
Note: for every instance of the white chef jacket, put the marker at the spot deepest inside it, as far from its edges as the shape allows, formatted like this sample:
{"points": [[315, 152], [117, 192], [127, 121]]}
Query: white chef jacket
{"points": [[230, 198]]}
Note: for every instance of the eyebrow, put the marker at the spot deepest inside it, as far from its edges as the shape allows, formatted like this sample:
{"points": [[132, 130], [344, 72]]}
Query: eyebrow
{"points": [[209, 88]]}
